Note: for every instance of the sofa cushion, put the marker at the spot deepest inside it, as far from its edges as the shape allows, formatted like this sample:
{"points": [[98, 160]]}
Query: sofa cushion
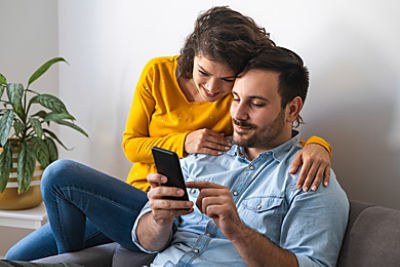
{"points": [[373, 239], [98, 256], [126, 258]]}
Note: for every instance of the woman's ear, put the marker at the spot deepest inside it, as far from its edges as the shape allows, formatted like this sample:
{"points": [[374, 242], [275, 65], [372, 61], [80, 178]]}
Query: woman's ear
{"points": [[293, 109]]}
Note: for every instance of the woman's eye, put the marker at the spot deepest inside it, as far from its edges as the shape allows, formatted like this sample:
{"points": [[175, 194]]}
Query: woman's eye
{"points": [[203, 73], [228, 80]]}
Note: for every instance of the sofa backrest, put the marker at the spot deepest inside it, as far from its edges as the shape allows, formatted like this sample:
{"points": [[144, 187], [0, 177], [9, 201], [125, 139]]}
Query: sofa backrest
{"points": [[372, 237]]}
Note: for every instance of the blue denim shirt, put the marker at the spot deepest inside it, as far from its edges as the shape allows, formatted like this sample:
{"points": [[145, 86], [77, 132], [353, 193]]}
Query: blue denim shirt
{"points": [[309, 224]]}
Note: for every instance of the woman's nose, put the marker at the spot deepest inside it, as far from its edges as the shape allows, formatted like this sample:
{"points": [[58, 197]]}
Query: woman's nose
{"points": [[212, 85]]}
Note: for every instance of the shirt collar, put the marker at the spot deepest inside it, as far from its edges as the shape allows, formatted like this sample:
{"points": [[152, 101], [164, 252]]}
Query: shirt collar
{"points": [[278, 152]]}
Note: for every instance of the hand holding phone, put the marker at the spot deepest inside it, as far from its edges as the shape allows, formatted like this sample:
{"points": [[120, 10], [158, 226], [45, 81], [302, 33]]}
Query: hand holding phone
{"points": [[167, 164]]}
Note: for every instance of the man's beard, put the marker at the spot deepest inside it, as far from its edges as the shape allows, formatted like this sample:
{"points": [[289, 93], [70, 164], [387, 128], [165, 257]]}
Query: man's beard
{"points": [[265, 137]]}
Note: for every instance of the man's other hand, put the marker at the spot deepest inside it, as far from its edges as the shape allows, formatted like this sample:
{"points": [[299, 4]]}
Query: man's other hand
{"points": [[216, 202]]}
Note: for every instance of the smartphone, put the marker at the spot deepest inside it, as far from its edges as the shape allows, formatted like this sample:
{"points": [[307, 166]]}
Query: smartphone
{"points": [[167, 164]]}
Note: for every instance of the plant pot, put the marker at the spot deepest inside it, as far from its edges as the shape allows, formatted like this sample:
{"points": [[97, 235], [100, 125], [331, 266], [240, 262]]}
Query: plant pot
{"points": [[10, 199]]}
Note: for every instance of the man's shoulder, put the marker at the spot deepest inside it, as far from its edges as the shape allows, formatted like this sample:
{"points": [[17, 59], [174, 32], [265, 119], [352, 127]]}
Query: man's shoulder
{"points": [[331, 196]]}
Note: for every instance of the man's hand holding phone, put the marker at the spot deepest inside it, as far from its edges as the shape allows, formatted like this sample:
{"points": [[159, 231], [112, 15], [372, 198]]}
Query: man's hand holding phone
{"points": [[164, 209]]}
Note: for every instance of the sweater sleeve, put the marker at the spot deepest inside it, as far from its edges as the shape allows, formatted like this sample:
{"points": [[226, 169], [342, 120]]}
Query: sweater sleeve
{"points": [[318, 140], [137, 142]]}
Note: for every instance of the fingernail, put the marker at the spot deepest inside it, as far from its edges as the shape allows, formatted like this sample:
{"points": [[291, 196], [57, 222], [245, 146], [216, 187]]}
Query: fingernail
{"points": [[164, 179], [298, 186], [326, 183], [313, 188], [180, 192], [227, 148], [305, 188], [189, 204]]}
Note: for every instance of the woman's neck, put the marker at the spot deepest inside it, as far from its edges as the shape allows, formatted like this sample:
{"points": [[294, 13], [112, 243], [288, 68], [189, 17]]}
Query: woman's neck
{"points": [[189, 89]]}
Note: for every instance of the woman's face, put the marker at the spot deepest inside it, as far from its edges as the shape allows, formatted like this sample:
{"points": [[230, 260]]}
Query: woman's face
{"points": [[213, 80]]}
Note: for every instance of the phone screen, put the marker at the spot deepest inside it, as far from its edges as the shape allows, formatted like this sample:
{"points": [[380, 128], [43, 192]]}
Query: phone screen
{"points": [[167, 164]]}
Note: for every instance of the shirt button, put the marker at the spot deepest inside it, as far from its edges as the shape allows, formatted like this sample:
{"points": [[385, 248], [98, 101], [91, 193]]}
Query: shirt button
{"points": [[208, 234], [196, 251], [251, 167], [235, 193], [193, 191], [259, 207]]}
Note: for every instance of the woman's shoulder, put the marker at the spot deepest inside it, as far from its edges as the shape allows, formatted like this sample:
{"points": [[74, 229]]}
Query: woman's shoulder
{"points": [[163, 60]]}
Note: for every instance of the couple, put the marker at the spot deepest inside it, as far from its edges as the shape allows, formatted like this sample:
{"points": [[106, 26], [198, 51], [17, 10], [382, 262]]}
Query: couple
{"points": [[70, 189], [244, 208]]}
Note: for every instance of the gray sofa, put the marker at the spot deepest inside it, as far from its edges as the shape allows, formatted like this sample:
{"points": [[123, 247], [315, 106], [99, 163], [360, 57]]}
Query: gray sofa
{"points": [[372, 239]]}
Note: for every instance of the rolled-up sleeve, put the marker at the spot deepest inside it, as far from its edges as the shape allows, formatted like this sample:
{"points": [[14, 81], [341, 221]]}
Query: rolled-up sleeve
{"points": [[146, 209], [314, 227]]}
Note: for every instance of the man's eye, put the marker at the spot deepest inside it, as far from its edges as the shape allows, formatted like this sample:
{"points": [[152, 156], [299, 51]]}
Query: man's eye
{"points": [[236, 99], [258, 104]]}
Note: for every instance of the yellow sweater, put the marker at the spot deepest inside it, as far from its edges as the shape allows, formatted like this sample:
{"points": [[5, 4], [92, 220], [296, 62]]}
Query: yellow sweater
{"points": [[161, 116]]}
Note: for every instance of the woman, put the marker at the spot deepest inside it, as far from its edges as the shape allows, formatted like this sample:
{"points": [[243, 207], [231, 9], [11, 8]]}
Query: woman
{"points": [[182, 104]]}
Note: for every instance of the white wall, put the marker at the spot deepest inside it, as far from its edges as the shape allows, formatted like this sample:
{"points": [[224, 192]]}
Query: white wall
{"points": [[350, 48], [28, 38]]}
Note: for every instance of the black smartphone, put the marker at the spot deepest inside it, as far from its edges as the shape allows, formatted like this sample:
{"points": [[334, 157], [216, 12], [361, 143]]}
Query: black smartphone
{"points": [[167, 164]]}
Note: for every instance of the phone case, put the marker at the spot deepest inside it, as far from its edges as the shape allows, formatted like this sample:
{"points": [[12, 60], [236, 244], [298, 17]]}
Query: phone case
{"points": [[167, 163]]}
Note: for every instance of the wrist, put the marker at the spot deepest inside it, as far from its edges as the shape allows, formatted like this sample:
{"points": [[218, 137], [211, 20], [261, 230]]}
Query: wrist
{"points": [[162, 222], [321, 142], [240, 233]]}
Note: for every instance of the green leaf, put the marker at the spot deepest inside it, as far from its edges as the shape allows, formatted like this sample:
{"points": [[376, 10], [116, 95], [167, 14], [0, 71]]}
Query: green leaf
{"points": [[15, 92], [41, 152], [19, 127], [42, 69], [53, 150], [25, 168], [5, 126], [5, 165], [74, 126], [3, 80], [54, 136], [37, 127], [1, 90], [51, 102], [42, 114], [53, 116]]}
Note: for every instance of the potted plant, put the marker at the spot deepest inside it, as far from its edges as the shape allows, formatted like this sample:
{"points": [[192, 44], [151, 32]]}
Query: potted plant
{"points": [[25, 136]]}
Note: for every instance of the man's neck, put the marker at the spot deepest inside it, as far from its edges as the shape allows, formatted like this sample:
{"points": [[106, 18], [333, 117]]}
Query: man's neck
{"points": [[254, 152]]}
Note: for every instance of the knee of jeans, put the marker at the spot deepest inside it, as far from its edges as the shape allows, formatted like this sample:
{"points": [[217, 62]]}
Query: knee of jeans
{"points": [[55, 173], [10, 254], [14, 254]]}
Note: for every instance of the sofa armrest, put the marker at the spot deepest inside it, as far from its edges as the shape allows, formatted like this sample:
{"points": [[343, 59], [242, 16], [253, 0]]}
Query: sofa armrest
{"points": [[372, 237]]}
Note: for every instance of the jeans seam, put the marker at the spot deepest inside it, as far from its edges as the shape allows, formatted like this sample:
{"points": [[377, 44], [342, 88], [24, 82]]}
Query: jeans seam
{"points": [[64, 240]]}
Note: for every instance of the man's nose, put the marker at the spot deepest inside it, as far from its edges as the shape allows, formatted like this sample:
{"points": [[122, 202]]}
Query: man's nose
{"points": [[240, 112]]}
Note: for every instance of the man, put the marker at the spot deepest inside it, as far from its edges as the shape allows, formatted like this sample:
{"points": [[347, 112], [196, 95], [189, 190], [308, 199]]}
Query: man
{"points": [[248, 210]]}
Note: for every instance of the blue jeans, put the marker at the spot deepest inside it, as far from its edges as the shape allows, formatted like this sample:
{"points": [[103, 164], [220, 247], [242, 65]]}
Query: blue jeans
{"points": [[85, 208]]}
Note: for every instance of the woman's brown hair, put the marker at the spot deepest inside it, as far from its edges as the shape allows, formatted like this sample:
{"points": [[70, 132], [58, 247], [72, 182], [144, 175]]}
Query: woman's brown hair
{"points": [[223, 35]]}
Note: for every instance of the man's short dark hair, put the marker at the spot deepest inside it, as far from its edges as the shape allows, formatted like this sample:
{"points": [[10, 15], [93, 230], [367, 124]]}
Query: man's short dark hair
{"points": [[293, 75]]}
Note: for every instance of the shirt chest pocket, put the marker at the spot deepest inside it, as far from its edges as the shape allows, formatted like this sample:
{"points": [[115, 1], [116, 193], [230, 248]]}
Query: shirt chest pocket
{"points": [[263, 204], [264, 214]]}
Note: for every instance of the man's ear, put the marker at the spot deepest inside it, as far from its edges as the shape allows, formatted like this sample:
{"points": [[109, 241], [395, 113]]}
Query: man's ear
{"points": [[293, 109]]}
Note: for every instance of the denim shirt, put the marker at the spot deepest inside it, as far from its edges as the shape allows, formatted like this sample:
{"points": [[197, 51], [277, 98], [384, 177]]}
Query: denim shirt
{"points": [[309, 224]]}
